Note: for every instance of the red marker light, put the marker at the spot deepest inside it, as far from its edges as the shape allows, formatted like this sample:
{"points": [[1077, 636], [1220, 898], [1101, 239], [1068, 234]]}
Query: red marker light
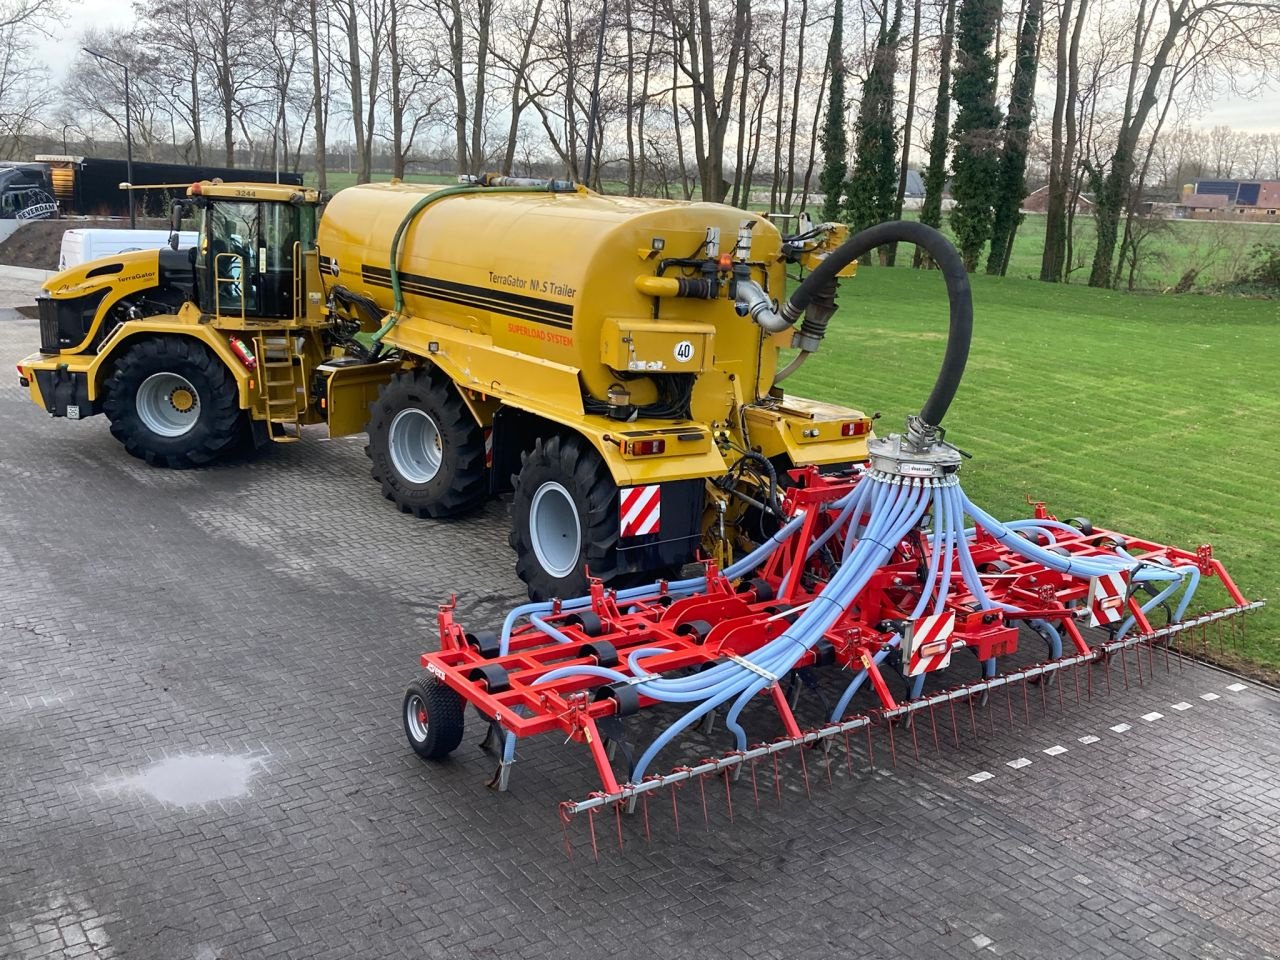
{"points": [[855, 428]]}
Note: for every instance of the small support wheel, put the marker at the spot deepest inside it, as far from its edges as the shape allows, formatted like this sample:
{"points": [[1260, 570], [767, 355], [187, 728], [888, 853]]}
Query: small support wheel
{"points": [[432, 715]]}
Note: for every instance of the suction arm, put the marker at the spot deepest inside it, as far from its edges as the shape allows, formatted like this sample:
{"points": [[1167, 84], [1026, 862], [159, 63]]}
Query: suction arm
{"points": [[822, 281]]}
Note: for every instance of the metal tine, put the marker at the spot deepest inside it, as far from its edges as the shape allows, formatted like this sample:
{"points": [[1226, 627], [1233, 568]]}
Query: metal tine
{"points": [[644, 807], [1137, 656], [893, 750], [617, 816], [564, 828], [955, 729], [933, 722], [1026, 706], [804, 769], [1008, 700], [915, 741], [591, 822], [702, 790], [1062, 700], [755, 787], [1124, 663], [871, 753], [777, 778], [973, 721], [675, 805], [728, 794]]}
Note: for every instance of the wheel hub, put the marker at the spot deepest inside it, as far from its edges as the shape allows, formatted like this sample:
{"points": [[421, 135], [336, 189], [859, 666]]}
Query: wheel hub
{"points": [[554, 529], [168, 404], [182, 399], [415, 445], [416, 717]]}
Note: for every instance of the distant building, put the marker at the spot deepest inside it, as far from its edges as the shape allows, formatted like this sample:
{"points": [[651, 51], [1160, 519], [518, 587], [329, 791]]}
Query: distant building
{"points": [[1230, 200], [1037, 201]]}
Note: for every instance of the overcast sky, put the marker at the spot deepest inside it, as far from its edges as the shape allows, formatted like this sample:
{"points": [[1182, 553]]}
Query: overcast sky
{"points": [[1261, 113]]}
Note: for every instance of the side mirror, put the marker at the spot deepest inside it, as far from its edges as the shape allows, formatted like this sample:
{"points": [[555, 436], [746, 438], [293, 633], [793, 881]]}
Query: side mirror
{"points": [[175, 223]]}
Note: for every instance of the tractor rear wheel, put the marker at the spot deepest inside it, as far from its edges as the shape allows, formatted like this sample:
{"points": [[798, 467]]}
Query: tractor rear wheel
{"points": [[426, 447], [433, 717], [173, 403], [564, 518]]}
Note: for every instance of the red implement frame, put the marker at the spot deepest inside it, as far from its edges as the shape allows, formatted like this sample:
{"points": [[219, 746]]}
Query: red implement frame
{"points": [[723, 620]]}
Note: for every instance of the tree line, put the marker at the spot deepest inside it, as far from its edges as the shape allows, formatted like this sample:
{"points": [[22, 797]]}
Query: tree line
{"points": [[781, 104]]}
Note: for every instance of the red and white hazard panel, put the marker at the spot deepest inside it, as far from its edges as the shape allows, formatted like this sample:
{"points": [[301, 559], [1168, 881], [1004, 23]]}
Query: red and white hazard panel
{"points": [[1107, 598], [639, 510], [488, 448], [929, 645]]}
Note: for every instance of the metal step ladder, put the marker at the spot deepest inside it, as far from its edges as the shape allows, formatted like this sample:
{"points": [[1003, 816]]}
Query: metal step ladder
{"points": [[280, 386]]}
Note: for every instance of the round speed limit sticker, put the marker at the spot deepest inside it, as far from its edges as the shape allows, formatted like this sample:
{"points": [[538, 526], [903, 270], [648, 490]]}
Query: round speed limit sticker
{"points": [[684, 351]]}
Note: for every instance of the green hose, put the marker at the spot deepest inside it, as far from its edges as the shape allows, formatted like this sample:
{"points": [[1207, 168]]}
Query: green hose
{"points": [[551, 186]]}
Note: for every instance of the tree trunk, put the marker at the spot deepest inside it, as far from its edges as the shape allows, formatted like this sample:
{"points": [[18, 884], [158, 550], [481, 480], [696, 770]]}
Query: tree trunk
{"points": [[1017, 132], [891, 255], [775, 188], [795, 105], [935, 174], [484, 13], [317, 95], [1110, 201]]}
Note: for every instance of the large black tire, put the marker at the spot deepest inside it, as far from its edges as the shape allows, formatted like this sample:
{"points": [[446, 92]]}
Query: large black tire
{"points": [[203, 417], [426, 447], [570, 471], [433, 718]]}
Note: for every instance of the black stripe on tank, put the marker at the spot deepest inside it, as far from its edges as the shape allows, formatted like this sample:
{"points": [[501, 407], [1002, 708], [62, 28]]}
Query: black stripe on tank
{"points": [[497, 301]]}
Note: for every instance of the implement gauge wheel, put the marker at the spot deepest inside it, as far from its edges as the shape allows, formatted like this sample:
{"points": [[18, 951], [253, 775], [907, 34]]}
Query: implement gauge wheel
{"points": [[432, 715], [173, 403], [426, 447], [564, 518]]}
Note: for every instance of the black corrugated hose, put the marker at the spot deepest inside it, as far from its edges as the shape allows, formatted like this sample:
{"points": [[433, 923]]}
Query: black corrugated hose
{"points": [[822, 281]]}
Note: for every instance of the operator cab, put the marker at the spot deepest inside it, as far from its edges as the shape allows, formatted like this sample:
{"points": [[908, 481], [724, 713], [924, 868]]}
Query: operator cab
{"points": [[249, 261]]}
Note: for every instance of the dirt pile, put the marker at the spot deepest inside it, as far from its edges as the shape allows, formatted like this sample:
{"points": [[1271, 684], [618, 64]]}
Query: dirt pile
{"points": [[37, 244]]}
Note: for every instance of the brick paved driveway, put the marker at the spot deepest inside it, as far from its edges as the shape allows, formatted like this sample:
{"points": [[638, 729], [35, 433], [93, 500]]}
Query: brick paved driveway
{"points": [[249, 630]]}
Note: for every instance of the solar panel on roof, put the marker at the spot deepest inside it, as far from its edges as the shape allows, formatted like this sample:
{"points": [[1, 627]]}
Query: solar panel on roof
{"points": [[1248, 194], [1225, 187]]}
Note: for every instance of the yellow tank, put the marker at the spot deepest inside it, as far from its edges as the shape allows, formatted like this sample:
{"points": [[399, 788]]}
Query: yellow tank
{"points": [[558, 276]]}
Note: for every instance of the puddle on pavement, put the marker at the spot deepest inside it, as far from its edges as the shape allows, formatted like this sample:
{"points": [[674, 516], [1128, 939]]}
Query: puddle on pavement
{"points": [[188, 781]]}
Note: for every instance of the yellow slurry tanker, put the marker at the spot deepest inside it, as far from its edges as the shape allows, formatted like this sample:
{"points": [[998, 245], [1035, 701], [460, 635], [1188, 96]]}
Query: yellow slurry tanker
{"points": [[612, 362]]}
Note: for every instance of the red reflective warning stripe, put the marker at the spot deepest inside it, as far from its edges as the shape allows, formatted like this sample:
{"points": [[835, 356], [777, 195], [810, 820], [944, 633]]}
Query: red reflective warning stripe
{"points": [[640, 510], [927, 631], [1107, 596]]}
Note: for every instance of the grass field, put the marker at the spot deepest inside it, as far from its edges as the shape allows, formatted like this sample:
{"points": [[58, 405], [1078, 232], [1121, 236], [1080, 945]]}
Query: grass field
{"points": [[1157, 415]]}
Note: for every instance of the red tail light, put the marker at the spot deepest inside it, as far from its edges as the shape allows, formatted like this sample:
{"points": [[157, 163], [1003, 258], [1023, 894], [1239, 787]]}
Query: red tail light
{"points": [[856, 428], [645, 448]]}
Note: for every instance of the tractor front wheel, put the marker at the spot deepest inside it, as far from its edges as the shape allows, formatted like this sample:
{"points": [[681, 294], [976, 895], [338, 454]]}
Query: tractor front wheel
{"points": [[564, 518], [433, 717], [426, 447], [173, 403]]}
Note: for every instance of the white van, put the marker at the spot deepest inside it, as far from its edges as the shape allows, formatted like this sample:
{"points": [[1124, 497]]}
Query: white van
{"points": [[81, 246]]}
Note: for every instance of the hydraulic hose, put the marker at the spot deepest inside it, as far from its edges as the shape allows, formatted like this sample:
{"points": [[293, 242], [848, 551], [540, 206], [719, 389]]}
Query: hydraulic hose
{"points": [[822, 281]]}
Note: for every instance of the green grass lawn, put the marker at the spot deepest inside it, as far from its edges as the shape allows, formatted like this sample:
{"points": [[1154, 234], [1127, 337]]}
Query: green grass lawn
{"points": [[1153, 415]]}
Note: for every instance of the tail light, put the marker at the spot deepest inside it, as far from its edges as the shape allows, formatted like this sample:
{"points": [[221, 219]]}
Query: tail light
{"points": [[855, 428], [645, 448]]}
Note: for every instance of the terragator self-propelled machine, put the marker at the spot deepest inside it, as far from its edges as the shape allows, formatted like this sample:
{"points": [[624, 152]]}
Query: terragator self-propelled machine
{"points": [[612, 362], [882, 591]]}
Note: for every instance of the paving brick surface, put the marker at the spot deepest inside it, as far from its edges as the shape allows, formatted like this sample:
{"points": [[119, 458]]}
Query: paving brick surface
{"points": [[201, 757]]}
